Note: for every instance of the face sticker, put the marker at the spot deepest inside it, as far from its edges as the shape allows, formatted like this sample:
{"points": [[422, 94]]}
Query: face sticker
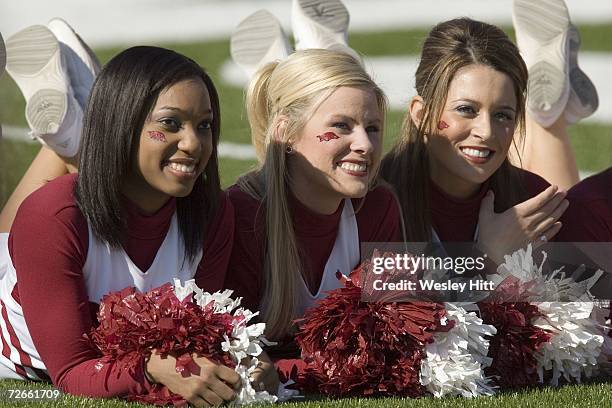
{"points": [[327, 136], [159, 136], [442, 125]]}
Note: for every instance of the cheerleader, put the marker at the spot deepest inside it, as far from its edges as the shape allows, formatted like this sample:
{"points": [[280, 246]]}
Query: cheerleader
{"points": [[303, 213], [145, 207], [450, 165]]}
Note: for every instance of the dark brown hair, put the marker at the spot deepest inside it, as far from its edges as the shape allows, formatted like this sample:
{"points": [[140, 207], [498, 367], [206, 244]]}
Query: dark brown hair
{"points": [[450, 46], [122, 97]]}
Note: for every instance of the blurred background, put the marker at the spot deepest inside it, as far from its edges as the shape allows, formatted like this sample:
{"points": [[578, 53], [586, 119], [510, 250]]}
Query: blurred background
{"points": [[388, 33]]}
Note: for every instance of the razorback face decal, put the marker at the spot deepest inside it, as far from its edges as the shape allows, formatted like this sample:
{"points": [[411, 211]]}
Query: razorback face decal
{"points": [[442, 125], [327, 136], [159, 136]]}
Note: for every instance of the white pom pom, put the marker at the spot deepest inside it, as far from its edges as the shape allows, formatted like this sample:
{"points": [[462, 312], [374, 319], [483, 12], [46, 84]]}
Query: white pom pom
{"points": [[575, 345], [245, 343], [556, 286], [247, 394], [456, 359]]}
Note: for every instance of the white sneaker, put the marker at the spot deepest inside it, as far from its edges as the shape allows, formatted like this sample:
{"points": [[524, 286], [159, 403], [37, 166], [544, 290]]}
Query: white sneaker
{"points": [[542, 35], [67, 140], [258, 40], [583, 99], [35, 63], [82, 64], [321, 24]]}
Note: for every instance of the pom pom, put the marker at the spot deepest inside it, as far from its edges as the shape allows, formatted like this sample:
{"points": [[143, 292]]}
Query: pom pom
{"points": [[357, 348], [514, 347], [519, 278], [601, 317], [575, 343], [456, 359], [183, 321]]}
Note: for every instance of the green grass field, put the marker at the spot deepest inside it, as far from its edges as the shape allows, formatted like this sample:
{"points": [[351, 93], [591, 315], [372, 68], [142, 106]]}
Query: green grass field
{"points": [[592, 143], [595, 394]]}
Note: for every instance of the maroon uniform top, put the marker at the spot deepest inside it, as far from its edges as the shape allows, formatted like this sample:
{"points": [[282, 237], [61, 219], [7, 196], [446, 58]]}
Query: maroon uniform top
{"points": [[377, 221], [589, 215], [48, 246], [455, 219]]}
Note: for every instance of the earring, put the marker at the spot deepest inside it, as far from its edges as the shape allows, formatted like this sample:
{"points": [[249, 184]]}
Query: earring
{"points": [[289, 149]]}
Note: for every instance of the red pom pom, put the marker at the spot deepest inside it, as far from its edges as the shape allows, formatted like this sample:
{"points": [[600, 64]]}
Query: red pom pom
{"points": [[132, 324], [357, 348], [516, 343]]}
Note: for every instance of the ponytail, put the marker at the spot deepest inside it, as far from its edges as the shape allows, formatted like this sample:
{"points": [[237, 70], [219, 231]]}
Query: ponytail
{"points": [[258, 108]]}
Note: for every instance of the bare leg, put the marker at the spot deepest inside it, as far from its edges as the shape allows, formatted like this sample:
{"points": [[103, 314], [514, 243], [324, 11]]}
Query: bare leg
{"points": [[46, 166], [548, 153]]}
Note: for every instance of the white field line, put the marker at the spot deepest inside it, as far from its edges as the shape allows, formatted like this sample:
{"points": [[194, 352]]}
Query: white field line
{"points": [[238, 151], [226, 149], [395, 75]]}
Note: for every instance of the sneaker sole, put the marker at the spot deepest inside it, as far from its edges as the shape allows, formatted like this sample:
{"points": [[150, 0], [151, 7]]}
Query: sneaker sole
{"points": [[30, 52], [319, 23], [259, 38], [63, 138], [331, 14], [46, 110], [548, 83]]}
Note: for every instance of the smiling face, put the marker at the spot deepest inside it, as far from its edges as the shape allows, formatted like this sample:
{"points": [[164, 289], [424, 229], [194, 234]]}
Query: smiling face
{"points": [[475, 130], [337, 153], [175, 144]]}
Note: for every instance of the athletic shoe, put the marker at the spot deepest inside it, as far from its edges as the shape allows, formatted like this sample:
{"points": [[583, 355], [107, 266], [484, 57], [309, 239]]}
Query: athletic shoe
{"points": [[583, 99], [258, 40], [35, 64], [542, 34], [67, 140], [82, 64], [321, 24]]}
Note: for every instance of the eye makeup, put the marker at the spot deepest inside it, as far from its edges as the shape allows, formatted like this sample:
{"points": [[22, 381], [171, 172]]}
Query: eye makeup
{"points": [[155, 135], [327, 136]]}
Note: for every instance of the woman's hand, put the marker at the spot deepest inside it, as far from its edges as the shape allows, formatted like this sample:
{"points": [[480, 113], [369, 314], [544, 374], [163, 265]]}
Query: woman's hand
{"points": [[533, 221], [215, 385], [265, 376]]}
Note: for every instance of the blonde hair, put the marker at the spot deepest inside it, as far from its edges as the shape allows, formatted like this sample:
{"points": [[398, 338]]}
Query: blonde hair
{"points": [[450, 46], [289, 91]]}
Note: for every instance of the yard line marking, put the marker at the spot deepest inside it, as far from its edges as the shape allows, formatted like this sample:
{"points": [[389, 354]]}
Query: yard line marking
{"points": [[239, 151]]}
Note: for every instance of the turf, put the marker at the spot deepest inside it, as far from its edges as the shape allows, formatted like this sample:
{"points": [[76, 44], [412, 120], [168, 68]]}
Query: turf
{"points": [[593, 395]]}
